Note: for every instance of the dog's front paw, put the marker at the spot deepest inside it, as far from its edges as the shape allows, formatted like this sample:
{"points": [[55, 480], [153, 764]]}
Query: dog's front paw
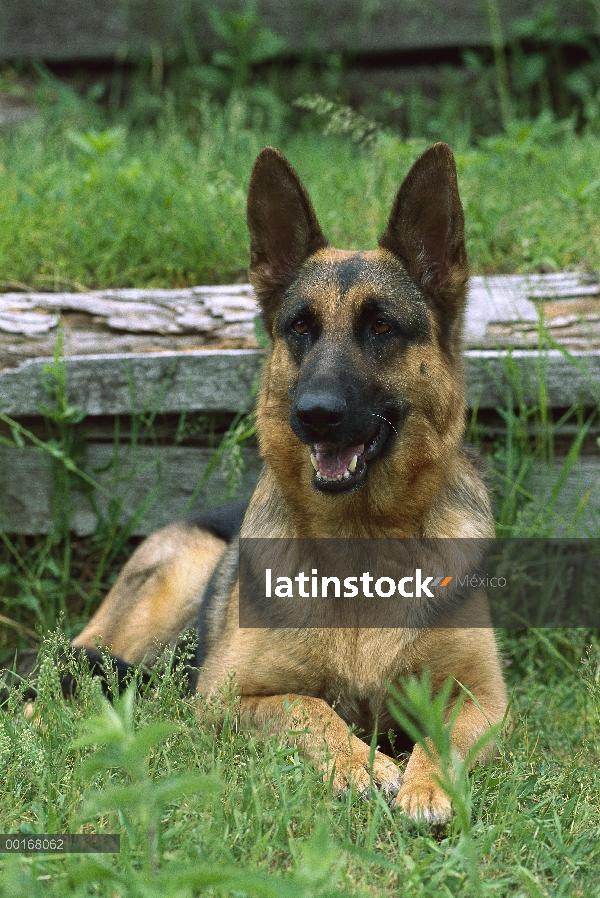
{"points": [[424, 802], [352, 771]]}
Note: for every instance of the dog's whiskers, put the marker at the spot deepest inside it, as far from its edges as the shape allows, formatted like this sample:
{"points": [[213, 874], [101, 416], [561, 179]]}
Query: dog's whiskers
{"points": [[375, 415]]}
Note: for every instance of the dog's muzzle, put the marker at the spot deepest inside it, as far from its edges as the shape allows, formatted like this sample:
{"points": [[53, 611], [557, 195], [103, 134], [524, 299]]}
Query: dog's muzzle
{"points": [[340, 453]]}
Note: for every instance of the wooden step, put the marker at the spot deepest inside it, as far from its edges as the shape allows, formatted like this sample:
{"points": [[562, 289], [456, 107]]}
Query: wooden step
{"points": [[529, 339]]}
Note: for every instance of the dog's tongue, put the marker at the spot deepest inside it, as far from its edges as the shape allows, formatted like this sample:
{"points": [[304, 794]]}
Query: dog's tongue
{"points": [[332, 460]]}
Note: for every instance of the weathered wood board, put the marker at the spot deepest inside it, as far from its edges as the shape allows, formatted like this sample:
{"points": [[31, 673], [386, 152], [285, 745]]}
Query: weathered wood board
{"points": [[79, 30], [221, 381], [502, 310], [130, 383], [156, 485], [125, 321], [167, 480], [195, 349], [129, 352]]}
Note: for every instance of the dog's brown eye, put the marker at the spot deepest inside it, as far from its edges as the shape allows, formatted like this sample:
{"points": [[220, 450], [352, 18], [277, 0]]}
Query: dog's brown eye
{"points": [[300, 326], [381, 327]]}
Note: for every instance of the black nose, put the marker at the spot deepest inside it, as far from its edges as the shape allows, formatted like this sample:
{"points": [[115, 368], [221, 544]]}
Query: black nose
{"points": [[320, 412]]}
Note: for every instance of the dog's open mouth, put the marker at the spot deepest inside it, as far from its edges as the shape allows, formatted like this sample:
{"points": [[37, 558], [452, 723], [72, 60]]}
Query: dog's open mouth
{"points": [[344, 468]]}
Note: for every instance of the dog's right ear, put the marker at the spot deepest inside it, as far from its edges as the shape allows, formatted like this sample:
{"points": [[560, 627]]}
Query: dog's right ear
{"points": [[284, 230]]}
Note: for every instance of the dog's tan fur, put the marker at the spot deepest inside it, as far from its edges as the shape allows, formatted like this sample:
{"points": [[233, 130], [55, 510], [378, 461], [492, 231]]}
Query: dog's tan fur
{"points": [[320, 681], [157, 595]]}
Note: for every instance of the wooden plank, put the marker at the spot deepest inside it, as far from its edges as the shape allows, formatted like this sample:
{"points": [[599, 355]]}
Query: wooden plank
{"points": [[69, 30], [577, 510], [222, 380], [495, 375], [131, 350], [510, 298], [127, 383], [170, 478], [125, 321], [502, 310], [506, 310]]}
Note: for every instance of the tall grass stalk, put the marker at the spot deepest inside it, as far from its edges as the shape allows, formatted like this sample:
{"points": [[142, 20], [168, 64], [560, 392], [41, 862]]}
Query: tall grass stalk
{"points": [[501, 67]]}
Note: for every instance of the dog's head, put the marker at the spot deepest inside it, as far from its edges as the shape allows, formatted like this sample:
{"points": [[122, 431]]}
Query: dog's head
{"points": [[366, 345]]}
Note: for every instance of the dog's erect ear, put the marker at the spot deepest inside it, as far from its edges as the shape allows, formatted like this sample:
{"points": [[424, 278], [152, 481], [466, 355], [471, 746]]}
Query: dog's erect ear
{"points": [[284, 230], [426, 227]]}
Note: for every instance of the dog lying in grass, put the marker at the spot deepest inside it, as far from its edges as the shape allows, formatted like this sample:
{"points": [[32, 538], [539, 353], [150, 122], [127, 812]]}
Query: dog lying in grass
{"points": [[360, 419]]}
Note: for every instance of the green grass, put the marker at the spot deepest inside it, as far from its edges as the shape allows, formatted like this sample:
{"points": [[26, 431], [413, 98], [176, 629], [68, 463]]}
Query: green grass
{"points": [[534, 455], [73, 192], [265, 816]]}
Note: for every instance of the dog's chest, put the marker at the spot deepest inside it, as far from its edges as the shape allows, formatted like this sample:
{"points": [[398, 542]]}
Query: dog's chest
{"points": [[356, 670]]}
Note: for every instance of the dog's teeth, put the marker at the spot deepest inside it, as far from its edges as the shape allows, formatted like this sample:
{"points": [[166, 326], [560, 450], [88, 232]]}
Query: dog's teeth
{"points": [[346, 475], [314, 462], [352, 465]]}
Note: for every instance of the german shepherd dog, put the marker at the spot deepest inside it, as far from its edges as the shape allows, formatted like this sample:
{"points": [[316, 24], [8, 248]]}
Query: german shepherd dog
{"points": [[360, 420]]}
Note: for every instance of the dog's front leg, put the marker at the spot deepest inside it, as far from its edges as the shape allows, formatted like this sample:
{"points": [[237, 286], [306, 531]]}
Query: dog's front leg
{"points": [[421, 796], [323, 737]]}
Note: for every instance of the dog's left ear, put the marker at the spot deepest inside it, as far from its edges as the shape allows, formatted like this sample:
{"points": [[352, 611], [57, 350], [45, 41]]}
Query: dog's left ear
{"points": [[426, 227], [284, 230]]}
